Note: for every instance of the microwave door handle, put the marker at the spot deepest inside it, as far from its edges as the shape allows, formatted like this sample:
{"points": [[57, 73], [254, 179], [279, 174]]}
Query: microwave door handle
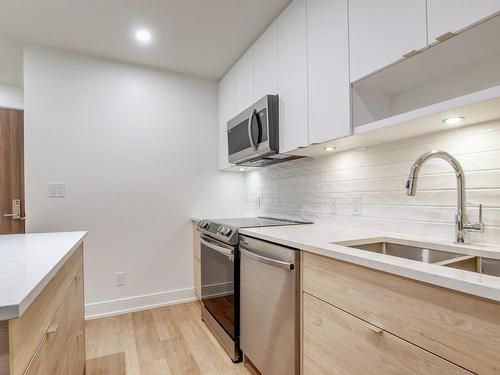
{"points": [[250, 131]]}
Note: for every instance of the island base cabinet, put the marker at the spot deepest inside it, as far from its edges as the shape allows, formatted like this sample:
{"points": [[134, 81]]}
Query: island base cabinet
{"points": [[336, 342], [49, 337]]}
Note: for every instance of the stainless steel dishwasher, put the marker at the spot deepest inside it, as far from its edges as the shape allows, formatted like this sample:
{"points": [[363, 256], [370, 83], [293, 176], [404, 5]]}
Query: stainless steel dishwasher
{"points": [[269, 301]]}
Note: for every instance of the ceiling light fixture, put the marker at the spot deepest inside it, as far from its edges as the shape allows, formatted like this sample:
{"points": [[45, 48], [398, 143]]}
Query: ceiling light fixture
{"points": [[453, 120], [329, 148], [242, 169], [143, 36]]}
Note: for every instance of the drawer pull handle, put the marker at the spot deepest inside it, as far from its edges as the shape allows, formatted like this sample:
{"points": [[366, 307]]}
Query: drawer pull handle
{"points": [[52, 328], [410, 54], [445, 36], [373, 328]]}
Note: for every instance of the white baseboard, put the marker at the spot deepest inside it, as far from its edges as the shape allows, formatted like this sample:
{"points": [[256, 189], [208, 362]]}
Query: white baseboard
{"points": [[138, 303]]}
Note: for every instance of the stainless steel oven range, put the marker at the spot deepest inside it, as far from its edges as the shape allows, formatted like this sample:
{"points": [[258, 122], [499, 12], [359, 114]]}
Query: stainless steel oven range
{"points": [[220, 276]]}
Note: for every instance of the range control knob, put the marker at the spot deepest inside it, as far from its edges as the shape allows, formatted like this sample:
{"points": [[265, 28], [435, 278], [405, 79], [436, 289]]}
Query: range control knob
{"points": [[227, 232], [203, 224]]}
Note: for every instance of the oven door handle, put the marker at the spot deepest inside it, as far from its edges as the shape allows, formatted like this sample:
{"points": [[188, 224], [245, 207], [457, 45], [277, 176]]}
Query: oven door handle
{"points": [[268, 261], [219, 249]]}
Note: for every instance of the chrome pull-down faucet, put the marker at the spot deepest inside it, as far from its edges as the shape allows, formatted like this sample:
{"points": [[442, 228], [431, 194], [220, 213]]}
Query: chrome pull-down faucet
{"points": [[461, 224]]}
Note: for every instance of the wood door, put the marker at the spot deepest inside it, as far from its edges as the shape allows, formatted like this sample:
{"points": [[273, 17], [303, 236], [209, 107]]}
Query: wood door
{"points": [[328, 70], [226, 112], [336, 342], [445, 16], [292, 76], [11, 169], [265, 63], [382, 32]]}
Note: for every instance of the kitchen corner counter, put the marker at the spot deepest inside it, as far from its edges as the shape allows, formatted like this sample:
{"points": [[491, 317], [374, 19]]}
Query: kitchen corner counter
{"points": [[28, 263], [321, 238]]}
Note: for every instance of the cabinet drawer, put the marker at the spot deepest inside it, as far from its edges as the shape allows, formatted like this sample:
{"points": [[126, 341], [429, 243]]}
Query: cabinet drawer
{"points": [[51, 358], [76, 351], [338, 343], [27, 332], [461, 328]]}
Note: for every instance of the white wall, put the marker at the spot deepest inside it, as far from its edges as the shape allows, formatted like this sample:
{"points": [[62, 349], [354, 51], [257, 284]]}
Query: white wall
{"points": [[322, 188], [137, 150], [11, 96]]}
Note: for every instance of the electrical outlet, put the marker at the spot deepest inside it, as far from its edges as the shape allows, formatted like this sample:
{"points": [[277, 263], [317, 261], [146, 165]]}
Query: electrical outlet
{"points": [[357, 206], [120, 278]]}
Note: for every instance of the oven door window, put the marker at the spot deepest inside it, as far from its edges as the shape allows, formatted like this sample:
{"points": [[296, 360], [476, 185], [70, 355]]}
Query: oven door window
{"points": [[218, 284]]}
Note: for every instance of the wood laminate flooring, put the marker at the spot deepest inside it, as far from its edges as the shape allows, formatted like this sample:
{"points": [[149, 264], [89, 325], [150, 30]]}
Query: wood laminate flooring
{"points": [[168, 340]]}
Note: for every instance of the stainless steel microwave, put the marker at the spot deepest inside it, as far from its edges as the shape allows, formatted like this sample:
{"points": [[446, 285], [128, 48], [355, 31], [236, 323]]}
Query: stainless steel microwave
{"points": [[253, 135]]}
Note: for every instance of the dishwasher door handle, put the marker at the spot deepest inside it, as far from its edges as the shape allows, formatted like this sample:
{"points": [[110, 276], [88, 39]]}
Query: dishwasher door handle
{"points": [[268, 261]]}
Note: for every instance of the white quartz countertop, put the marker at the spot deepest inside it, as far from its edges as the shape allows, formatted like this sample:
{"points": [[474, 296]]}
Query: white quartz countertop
{"points": [[321, 238], [27, 263]]}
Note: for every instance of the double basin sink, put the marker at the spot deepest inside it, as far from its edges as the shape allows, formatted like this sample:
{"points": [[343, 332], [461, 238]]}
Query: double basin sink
{"points": [[423, 253]]}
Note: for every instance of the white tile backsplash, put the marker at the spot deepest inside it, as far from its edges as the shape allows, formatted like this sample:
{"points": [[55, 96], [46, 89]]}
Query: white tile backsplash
{"points": [[322, 188]]}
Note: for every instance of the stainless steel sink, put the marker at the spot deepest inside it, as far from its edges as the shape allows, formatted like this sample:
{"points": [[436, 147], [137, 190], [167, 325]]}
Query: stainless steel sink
{"points": [[419, 253], [486, 266]]}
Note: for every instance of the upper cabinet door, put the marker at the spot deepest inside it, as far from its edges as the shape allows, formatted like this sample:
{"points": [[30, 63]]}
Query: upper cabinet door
{"points": [[226, 112], [243, 71], [292, 76], [381, 32], [446, 16], [265, 63], [328, 70]]}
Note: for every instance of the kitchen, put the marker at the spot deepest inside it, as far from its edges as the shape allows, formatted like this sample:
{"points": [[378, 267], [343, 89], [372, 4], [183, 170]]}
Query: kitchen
{"points": [[317, 194]]}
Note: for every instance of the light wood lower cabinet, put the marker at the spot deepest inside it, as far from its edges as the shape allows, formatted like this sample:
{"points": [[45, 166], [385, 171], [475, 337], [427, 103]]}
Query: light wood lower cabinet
{"points": [[196, 261], [336, 342], [460, 328], [49, 337]]}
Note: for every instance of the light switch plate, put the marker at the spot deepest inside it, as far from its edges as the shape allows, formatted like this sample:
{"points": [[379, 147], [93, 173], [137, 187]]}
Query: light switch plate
{"points": [[57, 190]]}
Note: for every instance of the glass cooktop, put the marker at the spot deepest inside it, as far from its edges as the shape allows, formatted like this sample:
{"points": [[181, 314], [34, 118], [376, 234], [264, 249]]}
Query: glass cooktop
{"points": [[255, 222]]}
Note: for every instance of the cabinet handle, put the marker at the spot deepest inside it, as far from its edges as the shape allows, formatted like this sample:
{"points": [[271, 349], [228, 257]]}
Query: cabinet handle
{"points": [[52, 328], [445, 36], [373, 328], [78, 277], [410, 54], [79, 334]]}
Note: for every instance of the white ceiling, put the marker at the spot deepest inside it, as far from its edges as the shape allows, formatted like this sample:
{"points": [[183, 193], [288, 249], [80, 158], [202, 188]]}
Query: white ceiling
{"points": [[198, 37]]}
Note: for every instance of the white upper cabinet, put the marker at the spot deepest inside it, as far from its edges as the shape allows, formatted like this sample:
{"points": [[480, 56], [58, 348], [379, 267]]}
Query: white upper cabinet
{"points": [[292, 76], [381, 32], [446, 16], [243, 76], [265, 63], [328, 70], [227, 110]]}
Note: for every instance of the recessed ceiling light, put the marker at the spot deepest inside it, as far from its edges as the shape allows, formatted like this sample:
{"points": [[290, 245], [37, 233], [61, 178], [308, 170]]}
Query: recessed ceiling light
{"points": [[453, 120], [363, 148], [242, 169], [143, 36], [329, 148]]}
